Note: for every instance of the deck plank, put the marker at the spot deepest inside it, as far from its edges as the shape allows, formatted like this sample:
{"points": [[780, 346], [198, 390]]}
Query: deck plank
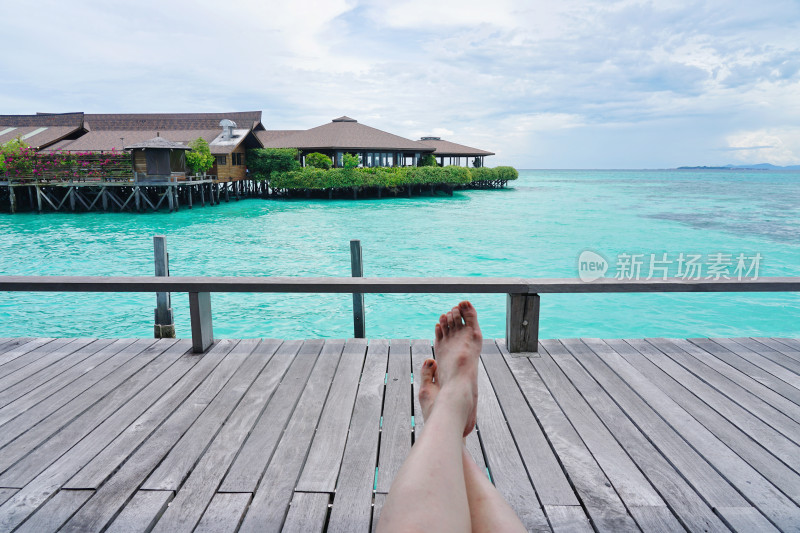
{"points": [[769, 406], [549, 480], [187, 451], [141, 512], [567, 519], [112, 495], [682, 499], [224, 513], [56, 511], [167, 390], [775, 363], [352, 504], [745, 433], [325, 456], [82, 393], [757, 489], [54, 376], [595, 491], [72, 382], [17, 348], [307, 513], [252, 461], [505, 464], [200, 487], [38, 358], [680, 431], [66, 426], [774, 378], [271, 500], [777, 355], [396, 427], [790, 347]]}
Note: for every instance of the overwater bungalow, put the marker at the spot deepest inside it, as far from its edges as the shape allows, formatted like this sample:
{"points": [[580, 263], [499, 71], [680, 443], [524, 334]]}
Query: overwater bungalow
{"points": [[374, 147], [229, 135], [228, 143]]}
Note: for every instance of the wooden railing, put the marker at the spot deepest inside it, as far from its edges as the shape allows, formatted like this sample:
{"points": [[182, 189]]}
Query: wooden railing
{"points": [[522, 309]]}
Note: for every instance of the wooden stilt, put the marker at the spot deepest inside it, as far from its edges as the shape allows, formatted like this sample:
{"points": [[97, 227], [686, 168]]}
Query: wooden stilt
{"points": [[39, 198], [189, 195], [71, 194], [170, 200], [202, 195], [104, 199], [137, 199], [12, 199]]}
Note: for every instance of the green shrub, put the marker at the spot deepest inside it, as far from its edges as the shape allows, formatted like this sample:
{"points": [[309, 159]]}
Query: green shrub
{"points": [[350, 161], [427, 160], [506, 173], [483, 174], [199, 159], [318, 160], [342, 178], [263, 162]]}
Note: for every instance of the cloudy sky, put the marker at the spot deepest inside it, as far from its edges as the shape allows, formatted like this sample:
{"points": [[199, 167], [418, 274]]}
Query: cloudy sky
{"points": [[544, 84]]}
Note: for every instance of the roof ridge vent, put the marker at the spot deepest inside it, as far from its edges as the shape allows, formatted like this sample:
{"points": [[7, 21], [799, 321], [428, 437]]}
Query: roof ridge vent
{"points": [[344, 118], [227, 129], [430, 139]]}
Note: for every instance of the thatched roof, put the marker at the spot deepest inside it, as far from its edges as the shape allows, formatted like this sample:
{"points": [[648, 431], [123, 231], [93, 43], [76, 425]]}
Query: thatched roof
{"points": [[344, 133], [158, 142], [447, 148]]}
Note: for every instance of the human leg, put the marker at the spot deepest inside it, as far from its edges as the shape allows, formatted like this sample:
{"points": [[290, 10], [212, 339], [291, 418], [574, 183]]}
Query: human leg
{"points": [[429, 491]]}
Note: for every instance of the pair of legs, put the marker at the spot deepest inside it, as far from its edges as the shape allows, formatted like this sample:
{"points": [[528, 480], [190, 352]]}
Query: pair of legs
{"points": [[439, 487]]}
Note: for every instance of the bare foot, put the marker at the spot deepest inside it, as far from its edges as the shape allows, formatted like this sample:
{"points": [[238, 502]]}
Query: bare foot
{"points": [[457, 348], [429, 388]]}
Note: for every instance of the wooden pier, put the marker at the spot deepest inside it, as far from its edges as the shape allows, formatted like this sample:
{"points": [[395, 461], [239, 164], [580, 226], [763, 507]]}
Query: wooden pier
{"points": [[270, 435], [121, 194]]}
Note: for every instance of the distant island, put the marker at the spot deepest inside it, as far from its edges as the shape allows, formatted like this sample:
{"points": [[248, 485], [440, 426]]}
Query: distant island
{"points": [[760, 166]]}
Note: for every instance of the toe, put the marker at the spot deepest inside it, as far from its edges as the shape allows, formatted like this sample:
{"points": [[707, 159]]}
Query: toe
{"points": [[451, 321], [459, 323], [428, 371], [439, 332], [469, 314]]}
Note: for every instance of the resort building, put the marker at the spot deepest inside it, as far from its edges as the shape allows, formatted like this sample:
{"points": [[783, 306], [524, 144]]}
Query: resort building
{"points": [[228, 135], [374, 147], [450, 153], [41, 131], [228, 143]]}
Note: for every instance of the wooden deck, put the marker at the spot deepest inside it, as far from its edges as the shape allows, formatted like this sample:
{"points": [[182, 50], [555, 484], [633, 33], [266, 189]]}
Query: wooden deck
{"points": [[610, 435]]}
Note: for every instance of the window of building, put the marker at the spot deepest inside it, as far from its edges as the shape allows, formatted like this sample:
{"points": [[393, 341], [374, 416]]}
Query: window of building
{"points": [[238, 159], [222, 160]]}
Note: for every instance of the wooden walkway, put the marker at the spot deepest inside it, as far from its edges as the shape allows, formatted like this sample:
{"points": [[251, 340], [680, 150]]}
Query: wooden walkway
{"points": [[605, 435]]}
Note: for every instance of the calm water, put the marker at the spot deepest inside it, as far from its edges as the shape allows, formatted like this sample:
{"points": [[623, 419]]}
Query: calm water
{"points": [[538, 228]]}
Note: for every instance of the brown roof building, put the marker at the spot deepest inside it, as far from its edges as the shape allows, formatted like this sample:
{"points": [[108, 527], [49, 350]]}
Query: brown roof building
{"points": [[41, 130], [228, 135], [375, 147]]}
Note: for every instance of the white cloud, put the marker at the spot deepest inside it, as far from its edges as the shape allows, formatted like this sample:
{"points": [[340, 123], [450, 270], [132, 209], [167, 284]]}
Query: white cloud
{"points": [[776, 146], [512, 77]]}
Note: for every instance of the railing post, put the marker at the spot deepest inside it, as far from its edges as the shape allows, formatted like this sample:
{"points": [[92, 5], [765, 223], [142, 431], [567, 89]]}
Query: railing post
{"points": [[165, 324], [202, 329], [522, 323], [357, 268]]}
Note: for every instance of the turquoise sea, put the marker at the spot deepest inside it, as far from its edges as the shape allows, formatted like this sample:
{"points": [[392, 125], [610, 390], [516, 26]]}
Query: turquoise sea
{"points": [[536, 228]]}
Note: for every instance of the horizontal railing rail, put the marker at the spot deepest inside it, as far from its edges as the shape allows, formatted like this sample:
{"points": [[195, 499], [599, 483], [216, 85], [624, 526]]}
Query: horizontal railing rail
{"points": [[385, 285], [522, 308]]}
